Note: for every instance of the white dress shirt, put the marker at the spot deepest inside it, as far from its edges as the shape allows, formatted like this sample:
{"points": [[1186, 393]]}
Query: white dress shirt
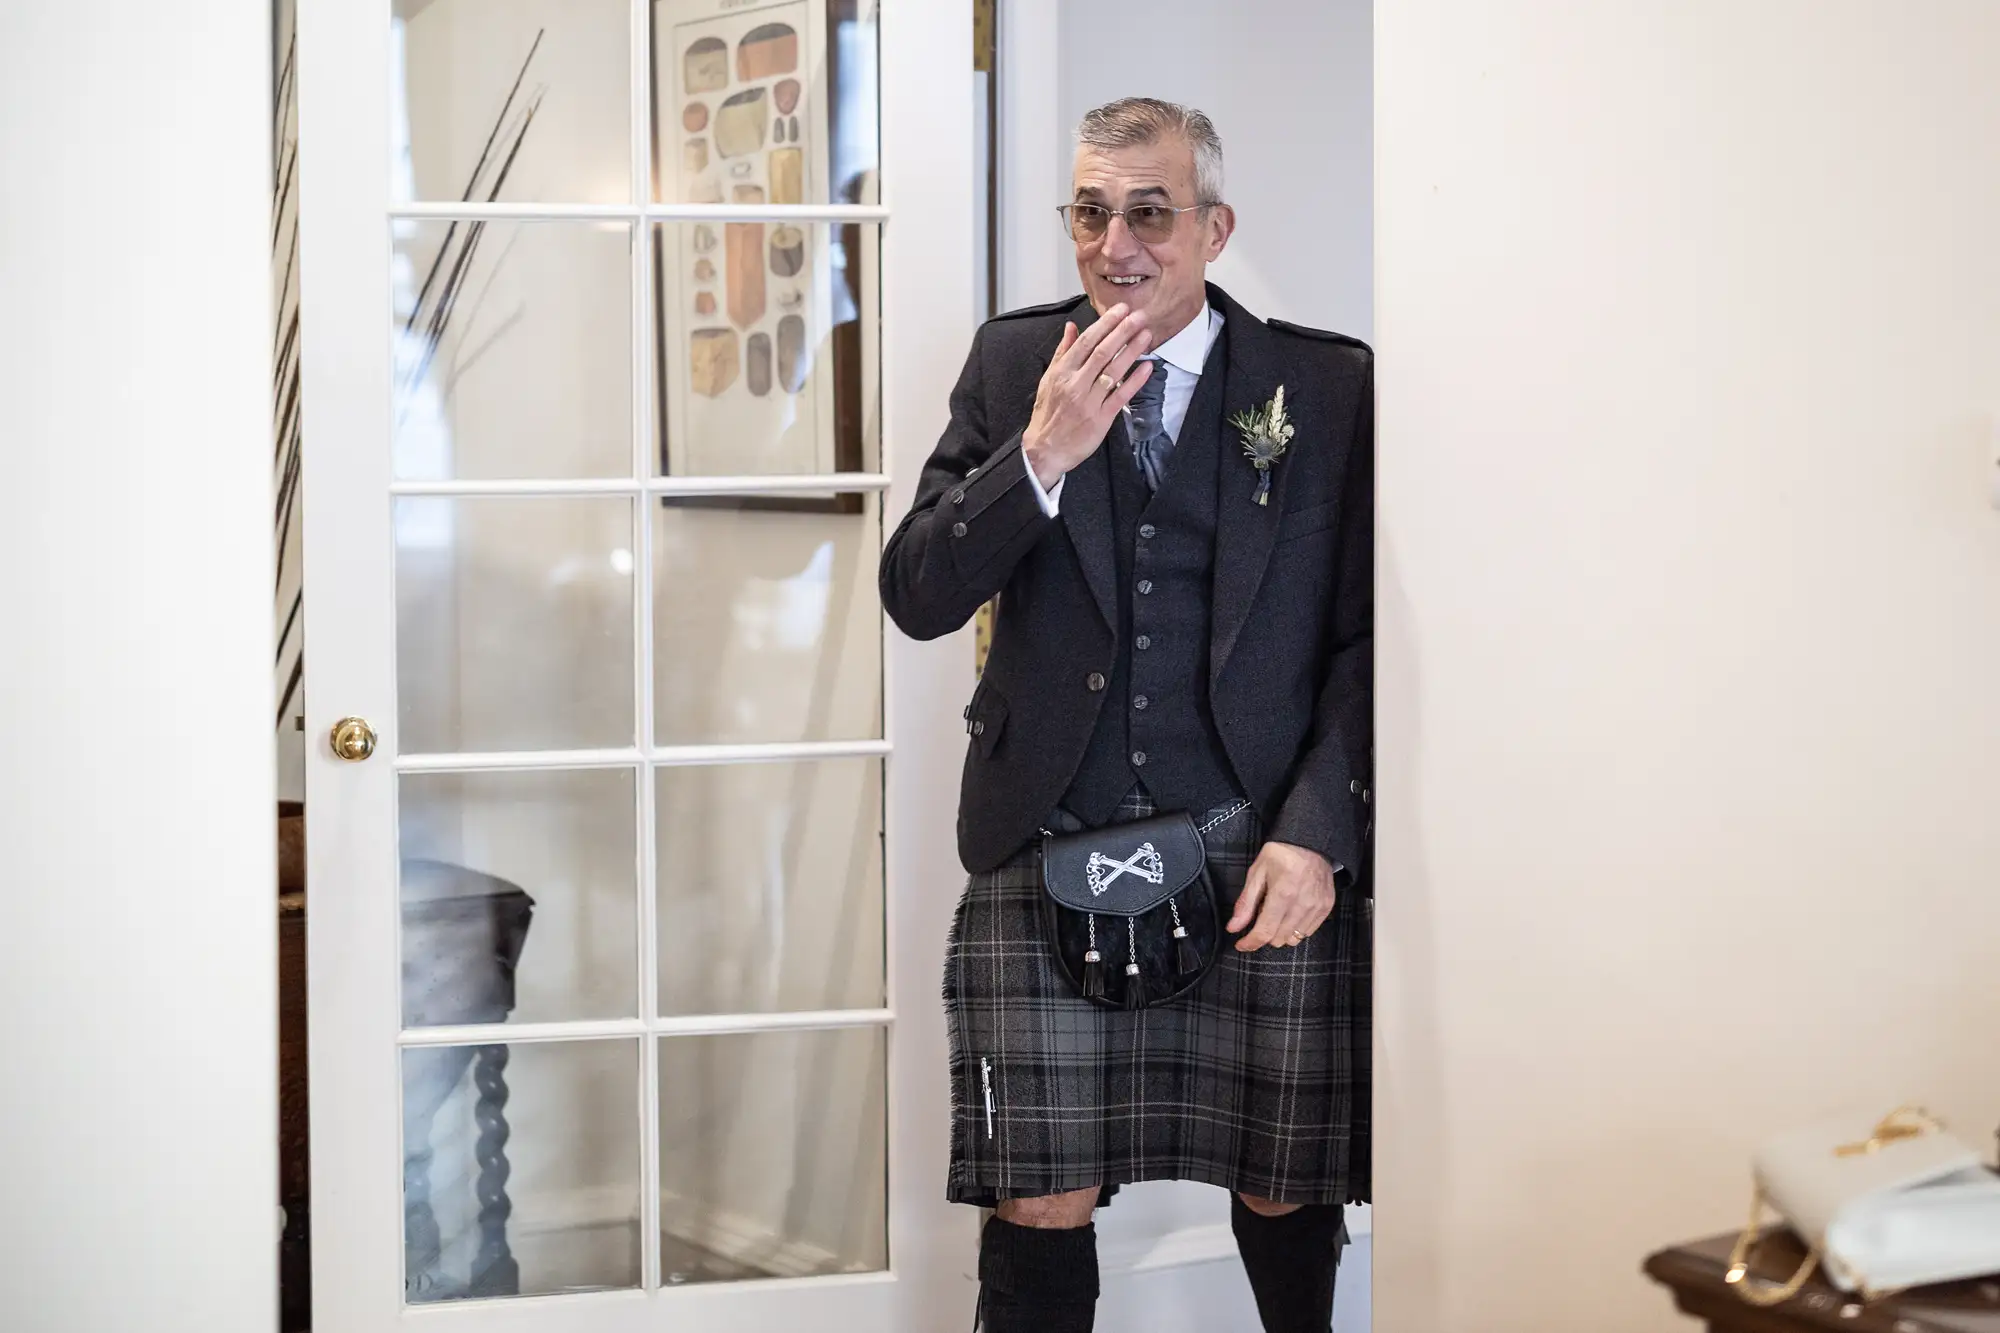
{"points": [[1183, 355]]}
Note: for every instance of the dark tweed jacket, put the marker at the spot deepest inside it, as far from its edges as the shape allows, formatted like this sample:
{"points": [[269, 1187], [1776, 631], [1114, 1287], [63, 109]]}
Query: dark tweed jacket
{"points": [[1291, 639]]}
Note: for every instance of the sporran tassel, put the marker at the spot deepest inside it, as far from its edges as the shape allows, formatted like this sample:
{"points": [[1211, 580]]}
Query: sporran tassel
{"points": [[1093, 966], [1135, 984], [1185, 958]]}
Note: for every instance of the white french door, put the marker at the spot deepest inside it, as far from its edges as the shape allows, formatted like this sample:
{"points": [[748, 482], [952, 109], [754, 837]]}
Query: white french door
{"points": [[628, 876]]}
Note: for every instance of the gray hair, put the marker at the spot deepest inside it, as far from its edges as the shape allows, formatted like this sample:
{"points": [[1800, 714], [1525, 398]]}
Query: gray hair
{"points": [[1135, 122]]}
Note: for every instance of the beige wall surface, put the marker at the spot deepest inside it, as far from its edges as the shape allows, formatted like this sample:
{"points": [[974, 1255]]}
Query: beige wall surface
{"points": [[1689, 323]]}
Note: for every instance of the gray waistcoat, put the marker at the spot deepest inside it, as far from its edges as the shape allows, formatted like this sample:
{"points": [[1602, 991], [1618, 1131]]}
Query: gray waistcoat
{"points": [[1155, 727]]}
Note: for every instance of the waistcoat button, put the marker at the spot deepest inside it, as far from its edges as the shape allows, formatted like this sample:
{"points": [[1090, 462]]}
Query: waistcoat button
{"points": [[1143, 642], [1140, 701], [1145, 585], [1094, 681], [1138, 758], [1147, 530]]}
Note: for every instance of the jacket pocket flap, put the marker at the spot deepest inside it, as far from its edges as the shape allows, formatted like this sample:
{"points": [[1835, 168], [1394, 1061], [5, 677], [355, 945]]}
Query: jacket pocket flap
{"points": [[1305, 522], [986, 718]]}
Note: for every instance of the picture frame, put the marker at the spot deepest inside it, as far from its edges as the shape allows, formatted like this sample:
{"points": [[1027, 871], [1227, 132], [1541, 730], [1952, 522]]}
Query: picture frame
{"points": [[765, 334]]}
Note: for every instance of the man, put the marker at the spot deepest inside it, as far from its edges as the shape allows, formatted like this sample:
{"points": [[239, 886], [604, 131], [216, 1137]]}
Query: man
{"points": [[1178, 629]]}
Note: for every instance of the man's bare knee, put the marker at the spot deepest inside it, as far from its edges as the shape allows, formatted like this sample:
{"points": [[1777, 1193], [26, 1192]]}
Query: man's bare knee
{"points": [[1267, 1207], [1054, 1211]]}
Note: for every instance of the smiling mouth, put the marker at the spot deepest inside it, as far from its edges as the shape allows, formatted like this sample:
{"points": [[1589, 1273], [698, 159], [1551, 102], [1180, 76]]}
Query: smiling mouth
{"points": [[1125, 279]]}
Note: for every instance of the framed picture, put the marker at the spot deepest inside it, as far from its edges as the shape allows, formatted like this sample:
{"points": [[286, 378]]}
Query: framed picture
{"points": [[759, 327]]}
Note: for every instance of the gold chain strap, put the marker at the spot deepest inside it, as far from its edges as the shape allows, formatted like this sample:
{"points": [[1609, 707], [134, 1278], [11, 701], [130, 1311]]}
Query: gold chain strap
{"points": [[1739, 1262], [1905, 1122]]}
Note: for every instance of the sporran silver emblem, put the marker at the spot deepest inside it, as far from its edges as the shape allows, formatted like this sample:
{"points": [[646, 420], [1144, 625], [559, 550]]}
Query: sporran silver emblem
{"points": [[1103, 871]]}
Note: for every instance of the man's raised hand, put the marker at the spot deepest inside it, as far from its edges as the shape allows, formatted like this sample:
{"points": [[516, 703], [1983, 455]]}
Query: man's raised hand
{"points": [[1089, 382]]}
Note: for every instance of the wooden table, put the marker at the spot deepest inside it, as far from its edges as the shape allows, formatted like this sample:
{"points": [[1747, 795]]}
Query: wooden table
{"points": [[1694, 1274]]}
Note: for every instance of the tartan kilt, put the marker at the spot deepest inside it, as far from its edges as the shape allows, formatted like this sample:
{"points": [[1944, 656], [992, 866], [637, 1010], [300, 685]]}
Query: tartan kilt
{"points": [[1257, 1080]]}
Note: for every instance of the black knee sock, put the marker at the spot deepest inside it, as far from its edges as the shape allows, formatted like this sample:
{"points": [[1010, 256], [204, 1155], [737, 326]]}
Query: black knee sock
{"points": [[1037, 1279], [1291, 1261]]}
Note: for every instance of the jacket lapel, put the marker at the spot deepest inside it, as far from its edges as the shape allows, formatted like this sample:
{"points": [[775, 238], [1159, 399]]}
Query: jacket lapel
{"points": [[1085, 507], [1086, 514], [1245, 532]]}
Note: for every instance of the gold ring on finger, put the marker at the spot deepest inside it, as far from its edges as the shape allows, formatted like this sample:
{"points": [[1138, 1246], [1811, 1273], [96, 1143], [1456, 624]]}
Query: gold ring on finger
{"points": [[1298, 936]]}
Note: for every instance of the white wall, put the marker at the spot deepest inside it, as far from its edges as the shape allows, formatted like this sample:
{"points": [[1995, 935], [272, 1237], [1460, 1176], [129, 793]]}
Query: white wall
{"points": [[1688, 625], [137, 922], [1291, 97]]}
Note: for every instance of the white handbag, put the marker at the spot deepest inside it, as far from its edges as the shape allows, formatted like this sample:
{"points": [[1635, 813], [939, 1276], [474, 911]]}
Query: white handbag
{"points": [[1881, 1205]]}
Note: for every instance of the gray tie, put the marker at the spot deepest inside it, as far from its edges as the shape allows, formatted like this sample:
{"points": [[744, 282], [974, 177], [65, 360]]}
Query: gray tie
{"points": [[1150, 442]]}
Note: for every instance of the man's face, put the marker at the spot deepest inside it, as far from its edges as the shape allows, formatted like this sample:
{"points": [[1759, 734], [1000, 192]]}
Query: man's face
{"points": [[1163, 278]]}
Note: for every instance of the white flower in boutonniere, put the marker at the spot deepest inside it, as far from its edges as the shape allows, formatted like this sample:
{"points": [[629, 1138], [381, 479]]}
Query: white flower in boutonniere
{"points": [[1265, 435]]}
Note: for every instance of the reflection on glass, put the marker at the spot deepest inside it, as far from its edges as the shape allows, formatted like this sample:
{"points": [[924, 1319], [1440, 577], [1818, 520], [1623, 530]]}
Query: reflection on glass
{"points": [[513, 623], [772, 1155], [770, 887], [768, 350], [518, 897], [526, 102], [520, 1169], [768, 626], [513, 349], [773, 104]]}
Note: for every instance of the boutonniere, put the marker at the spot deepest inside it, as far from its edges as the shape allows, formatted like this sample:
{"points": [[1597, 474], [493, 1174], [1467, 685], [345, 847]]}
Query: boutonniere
{"points": [[1265, 435]]}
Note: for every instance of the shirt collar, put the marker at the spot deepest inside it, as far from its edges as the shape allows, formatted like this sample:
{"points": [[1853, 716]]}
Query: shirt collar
{"points": [[1188, 349]]}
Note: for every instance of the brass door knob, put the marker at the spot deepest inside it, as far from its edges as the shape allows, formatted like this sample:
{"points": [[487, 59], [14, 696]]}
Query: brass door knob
{"points": [[353, 739]]}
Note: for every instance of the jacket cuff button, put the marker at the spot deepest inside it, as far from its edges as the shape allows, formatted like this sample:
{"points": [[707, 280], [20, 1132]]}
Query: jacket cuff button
{"points": [[958, 497], [958, 529], [1094, 681]]}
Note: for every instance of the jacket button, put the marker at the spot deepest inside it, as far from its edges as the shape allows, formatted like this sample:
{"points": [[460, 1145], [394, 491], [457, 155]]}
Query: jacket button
{"points": [[958, 497], [979, 728], [1140, 701], [1143, 642], [1147, 530], [1094, 681], [1145, 585], [958, 529], [1138, 758]]}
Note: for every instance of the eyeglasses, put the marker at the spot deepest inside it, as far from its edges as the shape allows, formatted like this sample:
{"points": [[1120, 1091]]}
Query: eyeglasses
{"points": [[1150, 223]]}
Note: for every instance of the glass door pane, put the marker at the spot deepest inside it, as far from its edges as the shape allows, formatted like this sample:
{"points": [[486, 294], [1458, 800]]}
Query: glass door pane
{"points": [[765, 333], [520, 1169], [513, 349], [519, 896], [773, 1155], [514, 623], [770, 887], [778, 98], [521, 100]]}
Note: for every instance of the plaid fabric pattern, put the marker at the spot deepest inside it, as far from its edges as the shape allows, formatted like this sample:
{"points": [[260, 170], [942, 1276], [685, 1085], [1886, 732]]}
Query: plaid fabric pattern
{"points": [[1257, 1081]]}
